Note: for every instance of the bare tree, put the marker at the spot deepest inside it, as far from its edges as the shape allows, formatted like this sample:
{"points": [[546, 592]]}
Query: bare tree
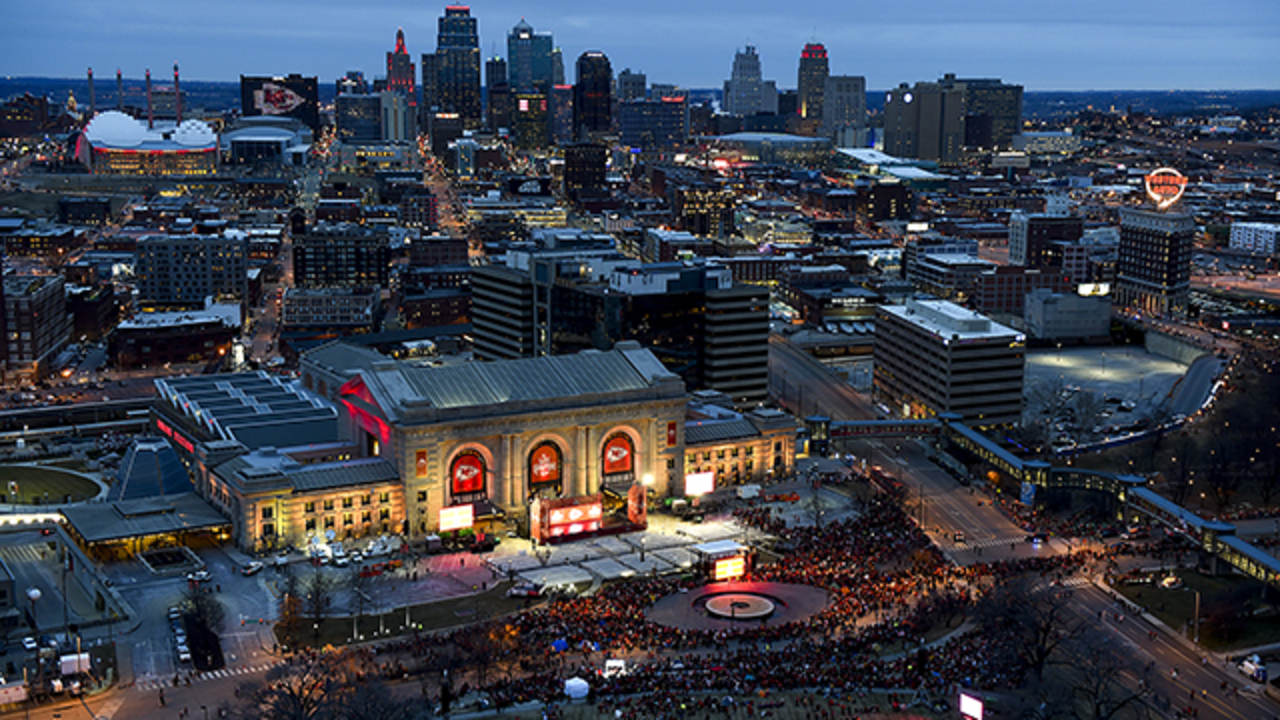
{"points": [[203, 608], [1222, 479], [290, 606], [1177, 467], [329, 686], [1031, 620], [318, 599], [1097, 675], [1266, 470], [1088, 407]]}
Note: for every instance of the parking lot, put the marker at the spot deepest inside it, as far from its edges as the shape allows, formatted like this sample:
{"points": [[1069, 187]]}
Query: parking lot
{"points": [[1111, 388]]}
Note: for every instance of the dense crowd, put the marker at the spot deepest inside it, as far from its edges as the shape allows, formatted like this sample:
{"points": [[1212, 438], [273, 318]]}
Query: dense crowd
{"points": [[889, 587]]}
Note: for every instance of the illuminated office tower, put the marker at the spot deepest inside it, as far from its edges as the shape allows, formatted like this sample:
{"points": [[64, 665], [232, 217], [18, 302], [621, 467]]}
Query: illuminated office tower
{"points": [[458, 65], [812, 80], [592, 95]]}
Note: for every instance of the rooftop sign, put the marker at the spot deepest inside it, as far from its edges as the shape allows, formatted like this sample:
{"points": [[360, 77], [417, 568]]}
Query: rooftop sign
{"points": [[1165, 187]]}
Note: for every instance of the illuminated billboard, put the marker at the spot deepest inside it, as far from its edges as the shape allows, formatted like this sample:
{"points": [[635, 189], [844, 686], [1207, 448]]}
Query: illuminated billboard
{"points": [[294, 96], [575, 519], [565, 517], [1165, 187], [970, 706], [458, 517], [699, 483], [730, 568]]}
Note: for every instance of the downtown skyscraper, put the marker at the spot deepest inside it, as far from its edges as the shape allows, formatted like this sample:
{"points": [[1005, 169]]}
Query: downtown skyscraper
{"points": [[592, 95], [458, 66], [400, 71], [529, 65], [746, 92], [812, 80]]}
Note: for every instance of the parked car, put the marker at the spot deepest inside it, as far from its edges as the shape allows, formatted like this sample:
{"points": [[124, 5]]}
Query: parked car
{"points": [[199, 576], [29, 644], [524, 590]]}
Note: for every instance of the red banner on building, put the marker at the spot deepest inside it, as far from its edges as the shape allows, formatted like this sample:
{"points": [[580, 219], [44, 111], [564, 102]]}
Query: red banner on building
{"points": [[544, 465], [619, 455], [466, 474]]}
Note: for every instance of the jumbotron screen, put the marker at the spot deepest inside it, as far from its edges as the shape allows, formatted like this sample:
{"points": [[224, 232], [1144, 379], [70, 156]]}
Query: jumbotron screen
{"points": [[730, 568]]}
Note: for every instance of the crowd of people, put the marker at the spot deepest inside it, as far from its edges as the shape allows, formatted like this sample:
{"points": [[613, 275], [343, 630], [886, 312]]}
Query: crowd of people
{"points": [[890, 590]]}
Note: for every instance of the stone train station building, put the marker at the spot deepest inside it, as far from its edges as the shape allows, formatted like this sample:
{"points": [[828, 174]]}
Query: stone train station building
{"points": [[362, 445]]}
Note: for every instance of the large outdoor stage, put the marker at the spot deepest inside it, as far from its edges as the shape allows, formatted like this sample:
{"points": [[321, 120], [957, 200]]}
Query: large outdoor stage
{"points": [[729, 605]]}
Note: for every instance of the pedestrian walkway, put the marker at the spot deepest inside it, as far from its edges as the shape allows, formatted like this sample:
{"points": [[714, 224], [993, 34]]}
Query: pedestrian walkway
{"points": [[152, 684]]}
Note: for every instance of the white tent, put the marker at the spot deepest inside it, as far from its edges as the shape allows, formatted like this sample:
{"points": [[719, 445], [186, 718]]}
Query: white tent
{"points": [[576, 688]]}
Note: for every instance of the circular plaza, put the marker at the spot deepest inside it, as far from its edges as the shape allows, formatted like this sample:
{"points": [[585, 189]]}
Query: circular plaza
{"points": [[725, 606]]}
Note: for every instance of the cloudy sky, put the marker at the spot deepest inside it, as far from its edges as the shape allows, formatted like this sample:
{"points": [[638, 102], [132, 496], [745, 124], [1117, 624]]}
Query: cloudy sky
{"points": [[1041, 44]]}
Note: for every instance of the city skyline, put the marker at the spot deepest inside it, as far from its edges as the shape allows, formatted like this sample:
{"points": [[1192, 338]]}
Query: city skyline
{"points": [[1088, 45]]}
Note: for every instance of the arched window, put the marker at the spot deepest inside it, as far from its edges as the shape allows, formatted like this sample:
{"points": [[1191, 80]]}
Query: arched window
{"points": [[467, 476], [618, 462], [546, 467]]}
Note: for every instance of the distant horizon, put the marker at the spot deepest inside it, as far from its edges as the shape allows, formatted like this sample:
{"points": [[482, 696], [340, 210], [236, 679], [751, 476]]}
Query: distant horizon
{"points": [[164, 81], [1081, 46]]}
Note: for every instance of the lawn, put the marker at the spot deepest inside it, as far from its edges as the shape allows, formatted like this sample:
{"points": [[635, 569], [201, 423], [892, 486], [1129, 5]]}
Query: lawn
{"points": [[38, 485], [1176, 607], [453, 612]]}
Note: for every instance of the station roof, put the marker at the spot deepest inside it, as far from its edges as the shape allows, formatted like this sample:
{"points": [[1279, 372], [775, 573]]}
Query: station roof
{"points": [[145, 517]]}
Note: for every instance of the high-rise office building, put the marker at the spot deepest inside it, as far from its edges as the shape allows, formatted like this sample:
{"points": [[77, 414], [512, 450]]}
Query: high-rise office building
{"points": [[812, 81], [529, 59], [358, 118], [993, 112], [692, 316], [932, 356], [592, 95], [584, 169], [458, 65], [925, 122], [937, 120], [631, 85], [657, 125], [844, 110], [1153, 271], [744, 91], [400, 70], [430, 85], [353, 83], [530, 128], [495, 77], [1032, 237], [398, 122], [557, 67], [560, 114]]}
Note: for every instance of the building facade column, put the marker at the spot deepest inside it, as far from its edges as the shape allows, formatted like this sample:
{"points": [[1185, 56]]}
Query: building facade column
{"points": [[582, 457], [505, 475]]}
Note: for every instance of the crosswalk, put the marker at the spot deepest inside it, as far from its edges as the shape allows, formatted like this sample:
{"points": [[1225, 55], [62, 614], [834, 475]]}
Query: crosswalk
{"points": [[152, 684], [17, 554], [1015, 542]]}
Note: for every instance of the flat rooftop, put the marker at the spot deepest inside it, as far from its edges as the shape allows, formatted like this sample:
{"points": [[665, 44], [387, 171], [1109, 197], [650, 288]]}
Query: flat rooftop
{"points": [[948, 320]]}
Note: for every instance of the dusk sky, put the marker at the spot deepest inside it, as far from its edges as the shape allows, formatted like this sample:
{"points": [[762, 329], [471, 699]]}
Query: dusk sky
{"points": [[1040, 44]]}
